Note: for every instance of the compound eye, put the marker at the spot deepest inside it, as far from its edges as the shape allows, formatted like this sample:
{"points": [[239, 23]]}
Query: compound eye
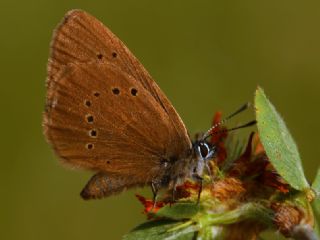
{"points": [[203, 149]]}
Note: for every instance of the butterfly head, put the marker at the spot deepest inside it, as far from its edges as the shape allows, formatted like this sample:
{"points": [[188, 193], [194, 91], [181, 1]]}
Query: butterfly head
{"points": [[203, 152]]}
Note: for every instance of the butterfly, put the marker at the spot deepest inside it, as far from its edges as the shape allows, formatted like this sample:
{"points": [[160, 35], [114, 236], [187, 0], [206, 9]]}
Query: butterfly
{"points": [[105, 113]]}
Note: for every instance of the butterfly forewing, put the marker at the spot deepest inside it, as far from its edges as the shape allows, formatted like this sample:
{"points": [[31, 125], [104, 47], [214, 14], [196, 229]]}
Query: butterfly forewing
{"points": [[81, 38]]}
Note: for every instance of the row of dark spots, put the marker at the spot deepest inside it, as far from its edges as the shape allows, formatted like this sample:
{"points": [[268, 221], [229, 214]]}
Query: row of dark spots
{"points": [[115, 91], [88, 103], [90, 119], [133, 91], [92, 133], [100, 55]]}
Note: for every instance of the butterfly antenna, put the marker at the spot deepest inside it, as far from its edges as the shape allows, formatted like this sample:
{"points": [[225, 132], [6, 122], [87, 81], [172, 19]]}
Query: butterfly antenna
{"points": [[243, 108], [251, 123]]}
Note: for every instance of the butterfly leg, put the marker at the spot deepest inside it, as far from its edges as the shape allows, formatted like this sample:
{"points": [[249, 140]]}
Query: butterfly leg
{"points": [[209, 172], [173, 191], [172, 194], [199, 179], [155, 194]]}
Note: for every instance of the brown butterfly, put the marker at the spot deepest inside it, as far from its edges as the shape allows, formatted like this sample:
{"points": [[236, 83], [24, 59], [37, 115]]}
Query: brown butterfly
{"points": [[105, 113]]}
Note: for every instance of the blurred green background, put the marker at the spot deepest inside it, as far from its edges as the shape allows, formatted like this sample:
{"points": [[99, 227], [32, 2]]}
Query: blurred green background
{"points": [[205, 55]]}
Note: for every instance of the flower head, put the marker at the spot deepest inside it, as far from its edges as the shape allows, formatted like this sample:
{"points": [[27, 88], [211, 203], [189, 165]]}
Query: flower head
{"points": [[246, 196]]}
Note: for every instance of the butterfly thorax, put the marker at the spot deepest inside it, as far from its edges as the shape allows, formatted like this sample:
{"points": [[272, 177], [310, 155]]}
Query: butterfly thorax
{"points": [[190, 166]]}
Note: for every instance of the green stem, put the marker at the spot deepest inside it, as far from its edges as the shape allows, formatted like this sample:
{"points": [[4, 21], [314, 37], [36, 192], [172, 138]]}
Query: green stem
{"points": [[247, 211]]}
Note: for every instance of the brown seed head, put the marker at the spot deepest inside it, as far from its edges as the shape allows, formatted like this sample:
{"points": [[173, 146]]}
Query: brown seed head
{"points": [[286, 217]]}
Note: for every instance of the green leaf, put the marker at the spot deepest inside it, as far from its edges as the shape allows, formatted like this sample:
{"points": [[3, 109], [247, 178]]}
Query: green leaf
{"points": [[316, 202], [160, 230], [278, 142], [179, 211], [316, 184], [316, 211], [316, 229]]}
